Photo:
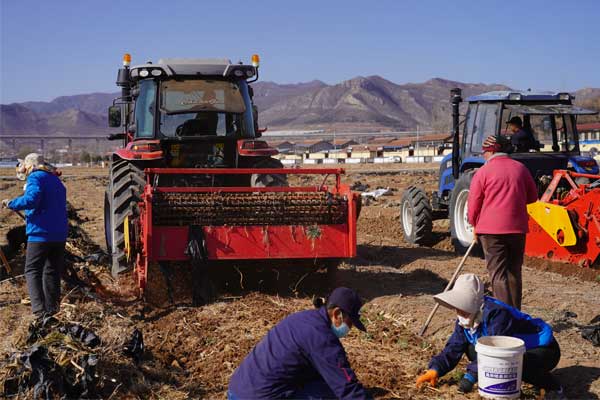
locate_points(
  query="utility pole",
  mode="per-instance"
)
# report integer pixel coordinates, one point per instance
(417, 146)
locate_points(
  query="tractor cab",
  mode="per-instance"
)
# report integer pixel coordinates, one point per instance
(188, 113)
(542, 128)
(546, 122)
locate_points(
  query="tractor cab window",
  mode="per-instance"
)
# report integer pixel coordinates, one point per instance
(566, 130)
(552, 127)
(485, 124)
(201, 108)
(144, 109)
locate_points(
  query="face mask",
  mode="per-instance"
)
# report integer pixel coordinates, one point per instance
(464, 322)
(21, 172)
(340, 331)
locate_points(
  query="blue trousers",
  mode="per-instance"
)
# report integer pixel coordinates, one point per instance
(314, 390)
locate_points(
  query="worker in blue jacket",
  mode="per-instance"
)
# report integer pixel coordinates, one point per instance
(302, 356)
(45, 205)
(478, 316)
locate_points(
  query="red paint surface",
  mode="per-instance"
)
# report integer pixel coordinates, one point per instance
(254, 242)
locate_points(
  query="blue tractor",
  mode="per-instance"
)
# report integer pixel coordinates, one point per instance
(549, 120)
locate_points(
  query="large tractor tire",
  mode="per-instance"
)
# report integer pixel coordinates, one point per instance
(125, 185)
(268, 180)
(416, 216)
(461, 231)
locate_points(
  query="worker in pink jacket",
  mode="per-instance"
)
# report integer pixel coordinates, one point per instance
(497, 209)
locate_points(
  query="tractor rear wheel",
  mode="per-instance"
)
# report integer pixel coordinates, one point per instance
(416, 216)
(461, 230)
(125, 185)
(268, 180)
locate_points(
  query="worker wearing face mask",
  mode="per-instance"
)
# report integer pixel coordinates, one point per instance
(302, 356)
(478, 316)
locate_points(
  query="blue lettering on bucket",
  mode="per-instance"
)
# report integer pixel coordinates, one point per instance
(500, 376)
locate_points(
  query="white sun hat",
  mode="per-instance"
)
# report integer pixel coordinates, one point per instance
(466, 295)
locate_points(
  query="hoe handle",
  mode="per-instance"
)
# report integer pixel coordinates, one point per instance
(5, 262)
(437, 305)
(19, 214)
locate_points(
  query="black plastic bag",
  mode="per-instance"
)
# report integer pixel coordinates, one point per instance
(591, 333)
(134, 347)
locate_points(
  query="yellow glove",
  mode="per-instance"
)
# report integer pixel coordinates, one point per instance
(431, 377)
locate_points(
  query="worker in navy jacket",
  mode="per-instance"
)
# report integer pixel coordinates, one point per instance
(302, 356)
(45, 205)
(478, 316)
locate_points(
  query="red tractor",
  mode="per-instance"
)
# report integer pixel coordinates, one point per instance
(194, 184)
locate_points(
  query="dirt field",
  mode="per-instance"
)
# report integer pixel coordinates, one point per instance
(192, 351)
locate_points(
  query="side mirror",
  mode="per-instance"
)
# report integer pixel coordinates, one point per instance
(116, 136)
(257, 132)
(114, 116)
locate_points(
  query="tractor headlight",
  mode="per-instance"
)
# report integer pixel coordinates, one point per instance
(564, 96)
(156, 72)
(514, 96)
(144, 73)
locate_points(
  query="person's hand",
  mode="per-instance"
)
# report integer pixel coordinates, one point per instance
(475, 237)
(431, 377)
(5, 203)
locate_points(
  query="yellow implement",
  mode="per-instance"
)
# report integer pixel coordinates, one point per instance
(555, 221)
(126, 234)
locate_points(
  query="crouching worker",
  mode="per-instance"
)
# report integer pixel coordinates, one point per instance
(45, 205)
(478, 316)
(302, 356)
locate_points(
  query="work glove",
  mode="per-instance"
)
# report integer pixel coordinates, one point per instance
(465, 385)
(431, 377)
(5, 203)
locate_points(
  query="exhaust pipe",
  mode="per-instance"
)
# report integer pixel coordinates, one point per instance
(456, 99)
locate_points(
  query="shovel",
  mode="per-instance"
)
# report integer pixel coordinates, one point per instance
(437, 305)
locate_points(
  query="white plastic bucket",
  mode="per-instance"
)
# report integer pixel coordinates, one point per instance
(499, 366)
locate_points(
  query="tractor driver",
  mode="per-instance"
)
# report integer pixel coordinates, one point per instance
(521, 139)
(302, 356)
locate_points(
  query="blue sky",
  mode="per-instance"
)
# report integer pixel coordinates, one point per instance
(54, 48)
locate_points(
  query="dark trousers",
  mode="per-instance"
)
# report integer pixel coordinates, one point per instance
(537, 364)
(43, 266)
(314, 390)
(504, 259)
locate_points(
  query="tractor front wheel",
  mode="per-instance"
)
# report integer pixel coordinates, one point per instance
(416, 216)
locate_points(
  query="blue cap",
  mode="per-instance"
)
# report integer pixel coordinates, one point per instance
(349, 302)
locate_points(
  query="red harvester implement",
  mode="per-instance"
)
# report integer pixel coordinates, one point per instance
(564, 225)
(243, 223)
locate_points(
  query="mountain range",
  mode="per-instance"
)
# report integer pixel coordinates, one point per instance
(363, 103)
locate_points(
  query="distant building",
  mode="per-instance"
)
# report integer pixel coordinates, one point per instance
(589, 138)
(588, 131)
(313, 146)
(8, 162)
(285, 147)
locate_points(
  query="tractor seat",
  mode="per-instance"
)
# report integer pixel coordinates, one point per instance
(197, 127)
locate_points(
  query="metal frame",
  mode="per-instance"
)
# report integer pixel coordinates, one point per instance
(230, 243)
